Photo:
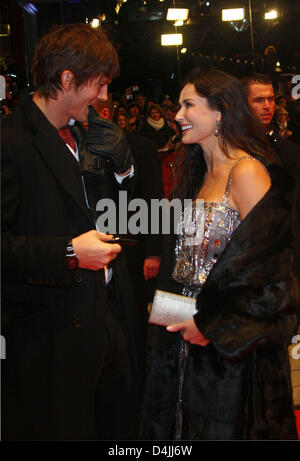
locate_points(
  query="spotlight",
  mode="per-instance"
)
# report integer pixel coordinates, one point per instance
(271, 14)
(177, 14)
(29, 7)
(235, 14)
(95, 23)
(171, 39)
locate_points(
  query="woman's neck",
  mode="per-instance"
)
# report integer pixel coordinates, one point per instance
(215, 156)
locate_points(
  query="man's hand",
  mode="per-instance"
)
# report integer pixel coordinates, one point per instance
(106, 139)
(151, 267)
(189, 332)
(92, 251)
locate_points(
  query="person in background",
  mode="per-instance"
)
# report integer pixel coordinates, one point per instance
(141, 100)
(282, 123)
(122, 121)
(223, 373)
(134, 112)
(170, 113)
(69, 372)
(143, 259)
(156, 127)
(259, 94)
(281, 101)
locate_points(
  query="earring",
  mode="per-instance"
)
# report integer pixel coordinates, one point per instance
(217, 130)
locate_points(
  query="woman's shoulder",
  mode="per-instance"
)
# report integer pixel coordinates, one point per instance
(249, 168)
(250, 182)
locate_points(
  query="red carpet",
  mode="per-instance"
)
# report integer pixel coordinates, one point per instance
(297, 413)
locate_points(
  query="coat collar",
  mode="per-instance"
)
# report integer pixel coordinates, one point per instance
(55, 153)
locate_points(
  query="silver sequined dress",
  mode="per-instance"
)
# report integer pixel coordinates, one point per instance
(204, 232)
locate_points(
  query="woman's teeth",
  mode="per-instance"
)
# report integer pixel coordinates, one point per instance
(186, 127)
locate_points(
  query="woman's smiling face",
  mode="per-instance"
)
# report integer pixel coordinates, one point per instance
(196, 118)
(155, 114)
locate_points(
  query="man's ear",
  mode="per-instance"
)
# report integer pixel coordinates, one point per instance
(67, 80)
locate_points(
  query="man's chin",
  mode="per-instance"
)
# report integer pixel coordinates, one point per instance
(266, 121)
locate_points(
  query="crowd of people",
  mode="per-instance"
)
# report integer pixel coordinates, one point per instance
(139, 114)
(82, 361)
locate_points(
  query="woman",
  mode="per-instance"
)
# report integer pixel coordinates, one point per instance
(122, 121)
(156, 127)
(224, 373)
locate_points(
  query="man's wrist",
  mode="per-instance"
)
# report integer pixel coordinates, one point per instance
(71, 259)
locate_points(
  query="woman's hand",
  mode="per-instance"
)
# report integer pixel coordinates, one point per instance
(189, 332)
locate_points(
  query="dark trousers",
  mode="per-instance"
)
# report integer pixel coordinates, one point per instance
(53, 391)
(116, 400)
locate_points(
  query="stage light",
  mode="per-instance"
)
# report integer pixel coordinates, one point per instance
(178, 23)
(183, 50)
(171, 39)
(177, 14)
(235, 14)
(95, 23)
(271, 14)
(29, 7)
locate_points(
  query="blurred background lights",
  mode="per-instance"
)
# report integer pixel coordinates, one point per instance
(177, 14)
(271, 14)
(95, 23)
(235, 14)
(171, 39)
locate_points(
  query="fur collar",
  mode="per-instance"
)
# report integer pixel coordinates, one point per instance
(250, 296)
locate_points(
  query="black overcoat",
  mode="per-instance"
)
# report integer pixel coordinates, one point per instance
(53, 319)
(238, 386)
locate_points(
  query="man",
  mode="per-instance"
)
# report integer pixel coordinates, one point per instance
(261, 99)
(68, 369)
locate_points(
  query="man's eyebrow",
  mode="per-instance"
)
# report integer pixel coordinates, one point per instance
(263, 97)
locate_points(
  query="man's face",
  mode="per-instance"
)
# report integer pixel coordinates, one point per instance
(262, 102)
(170, 115)
(85, 95)
(134, 111)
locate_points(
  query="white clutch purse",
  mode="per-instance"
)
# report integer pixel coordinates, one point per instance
(168, 308)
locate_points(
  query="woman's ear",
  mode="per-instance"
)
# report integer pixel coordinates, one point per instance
(218, 116)
(67, 80)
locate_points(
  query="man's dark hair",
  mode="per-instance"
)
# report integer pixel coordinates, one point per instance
(259, 79)
(86, 52)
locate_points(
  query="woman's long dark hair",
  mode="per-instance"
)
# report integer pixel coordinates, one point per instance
(239, 128)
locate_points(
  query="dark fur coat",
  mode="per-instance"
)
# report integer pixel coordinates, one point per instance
(238, 386)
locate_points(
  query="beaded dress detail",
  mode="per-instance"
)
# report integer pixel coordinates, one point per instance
(203, 233)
